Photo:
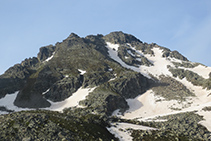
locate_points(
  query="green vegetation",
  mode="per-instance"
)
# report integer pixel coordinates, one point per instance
(48, 125)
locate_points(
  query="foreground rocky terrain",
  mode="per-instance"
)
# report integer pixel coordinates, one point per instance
(112, 87)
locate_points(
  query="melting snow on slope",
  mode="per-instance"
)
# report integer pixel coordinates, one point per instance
(145, 105)
(159, 67)
(202, 99)
(120, 130)
(201, 94)
(82, 72)
(114, 55)
(72, 101)
(7, 102)
(201, 70)
(46, 91)
(159, 63)
(49, 58)
(207, 116)
(114, 47)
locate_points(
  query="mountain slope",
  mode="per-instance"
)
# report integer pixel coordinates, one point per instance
(114, 75)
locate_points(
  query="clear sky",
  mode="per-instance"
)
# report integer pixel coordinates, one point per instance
(27, 25)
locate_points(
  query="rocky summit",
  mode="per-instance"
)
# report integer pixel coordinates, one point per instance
(112, 87)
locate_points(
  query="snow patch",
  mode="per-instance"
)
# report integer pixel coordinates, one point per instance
(8, 101)
(201, 100)
(82, 72)
(120, 130)
(46, 91)
(110, 69)
(138, 59)
(114, 55)
(72, 101)
(66, 76)
(49, 58)
(131, 53)
(201, 94)
(207, 122)
(114, 47)
(159, 64)
(200, 70)
(146, 105)
(113, 78)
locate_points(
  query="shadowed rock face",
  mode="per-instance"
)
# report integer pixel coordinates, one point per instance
(15, 77)
(46, 52)
(64, 88)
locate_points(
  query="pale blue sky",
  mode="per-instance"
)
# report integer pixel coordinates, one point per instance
(27, 25)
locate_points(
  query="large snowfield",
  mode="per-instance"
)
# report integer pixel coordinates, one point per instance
(145, 107)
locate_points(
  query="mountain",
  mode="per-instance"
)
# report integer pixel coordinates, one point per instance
(112, 87)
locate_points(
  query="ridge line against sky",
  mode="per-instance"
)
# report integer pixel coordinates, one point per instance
(179, 25)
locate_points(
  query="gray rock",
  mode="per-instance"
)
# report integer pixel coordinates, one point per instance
(46, 52)
(64, 88)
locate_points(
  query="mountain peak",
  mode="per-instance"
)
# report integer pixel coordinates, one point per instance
(118, 37)
(113, 78)
(73, 35)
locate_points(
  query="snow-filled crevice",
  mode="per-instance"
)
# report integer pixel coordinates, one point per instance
(49, 58)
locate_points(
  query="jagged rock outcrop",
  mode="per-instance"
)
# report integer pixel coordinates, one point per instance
(120, 38)
(130, 84)
(103, 100)
(173, 54)
(64, 88)
(46, 52)
(15, 77)
(30, 98)
(131, 57)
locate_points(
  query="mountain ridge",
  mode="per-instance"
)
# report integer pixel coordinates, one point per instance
(115, 75)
